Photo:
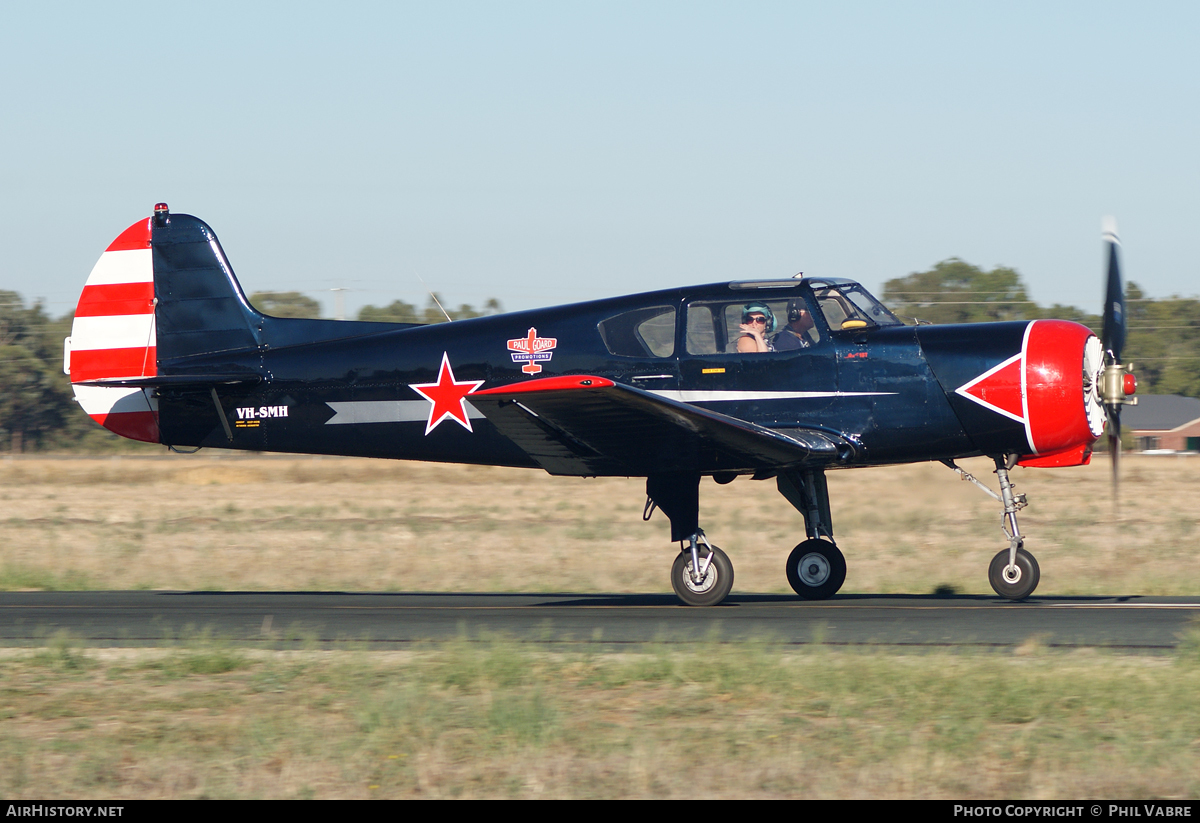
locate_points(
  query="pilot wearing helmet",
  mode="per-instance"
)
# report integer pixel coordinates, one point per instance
(757, 322)
(797, 333)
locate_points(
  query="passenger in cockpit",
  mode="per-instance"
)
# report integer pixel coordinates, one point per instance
(757, 322)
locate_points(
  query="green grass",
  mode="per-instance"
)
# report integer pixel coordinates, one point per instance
(17, 576)
(506, 719)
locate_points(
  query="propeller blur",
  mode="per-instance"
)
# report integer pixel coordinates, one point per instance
(1118, 381)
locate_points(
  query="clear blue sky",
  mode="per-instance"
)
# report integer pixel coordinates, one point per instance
(543, 153)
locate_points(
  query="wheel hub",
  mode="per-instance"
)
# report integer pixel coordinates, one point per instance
(1012, 573)
(813, 569)
(705, 583)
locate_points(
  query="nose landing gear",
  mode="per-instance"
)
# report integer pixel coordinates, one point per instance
(1013, 572)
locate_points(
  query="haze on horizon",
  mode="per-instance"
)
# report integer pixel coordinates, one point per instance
(544, 153)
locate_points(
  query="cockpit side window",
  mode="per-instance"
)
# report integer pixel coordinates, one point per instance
(645, 332)
(713, 327)
(703, 330)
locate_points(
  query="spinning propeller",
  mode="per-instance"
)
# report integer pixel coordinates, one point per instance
(1116, 381)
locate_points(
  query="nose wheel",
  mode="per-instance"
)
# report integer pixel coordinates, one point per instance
(1017, 580)
(816, 569)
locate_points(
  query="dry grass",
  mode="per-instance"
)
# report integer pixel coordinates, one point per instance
(233, 522)
(509, 720)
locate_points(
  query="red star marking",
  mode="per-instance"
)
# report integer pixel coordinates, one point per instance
(448, 397)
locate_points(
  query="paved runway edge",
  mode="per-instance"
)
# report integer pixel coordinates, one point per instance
(397, 620)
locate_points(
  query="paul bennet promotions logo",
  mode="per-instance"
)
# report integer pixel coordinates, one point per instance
(532, 349)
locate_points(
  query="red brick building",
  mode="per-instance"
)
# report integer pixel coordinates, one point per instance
(1163, 422)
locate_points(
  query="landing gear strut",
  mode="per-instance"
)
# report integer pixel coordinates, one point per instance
(702, 574)
(816, 568)
(1013, 572)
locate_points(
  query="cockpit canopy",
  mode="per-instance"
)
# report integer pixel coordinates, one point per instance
(712, 316)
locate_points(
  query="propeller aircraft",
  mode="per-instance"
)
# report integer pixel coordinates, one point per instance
(778, 380)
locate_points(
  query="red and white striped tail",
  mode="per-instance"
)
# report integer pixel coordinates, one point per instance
(114, 336)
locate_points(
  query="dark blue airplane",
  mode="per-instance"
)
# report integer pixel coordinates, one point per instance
(768, 379)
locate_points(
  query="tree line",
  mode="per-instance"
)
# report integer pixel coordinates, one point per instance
(1162, 343)
(295, 304)
(38, 411)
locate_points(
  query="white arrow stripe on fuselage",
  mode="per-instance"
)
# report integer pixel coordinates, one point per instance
(417, 411)
(386, 411)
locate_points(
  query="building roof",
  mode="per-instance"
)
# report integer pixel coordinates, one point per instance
(1160, 412)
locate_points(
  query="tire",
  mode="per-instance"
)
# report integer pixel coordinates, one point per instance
(1027, 575)
(816, 569)
(717, 582)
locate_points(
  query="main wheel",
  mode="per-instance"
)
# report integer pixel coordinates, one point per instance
(816, 569)
(1018, 582)
(712, 588)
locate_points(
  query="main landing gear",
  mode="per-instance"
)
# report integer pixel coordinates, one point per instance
(702, 574)
(816, 568)
(1013, 572)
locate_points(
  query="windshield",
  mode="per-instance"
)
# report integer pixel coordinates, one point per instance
(850, 306)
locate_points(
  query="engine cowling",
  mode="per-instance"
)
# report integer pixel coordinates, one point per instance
(1052, 388)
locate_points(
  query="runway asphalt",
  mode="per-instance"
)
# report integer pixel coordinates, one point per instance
(389, 621)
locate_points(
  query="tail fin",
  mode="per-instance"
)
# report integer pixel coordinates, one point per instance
(201, 308)
(114, 335)
(161, 293)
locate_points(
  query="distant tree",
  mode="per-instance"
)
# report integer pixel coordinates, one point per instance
(401, 312)
(35, 396)
(398, 311)
(1060, 312)
(433, 310)
(957, 292)
(1163, 343)
(285, 304)
(34, 400)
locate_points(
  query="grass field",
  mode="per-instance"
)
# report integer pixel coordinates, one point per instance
(503, 719)
(510, 720)
(234, 523)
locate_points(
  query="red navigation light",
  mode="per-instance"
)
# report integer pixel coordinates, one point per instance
(1129, 384)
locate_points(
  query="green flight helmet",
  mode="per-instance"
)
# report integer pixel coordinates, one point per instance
(761, 308)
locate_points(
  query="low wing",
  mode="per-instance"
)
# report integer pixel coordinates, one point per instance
(582, 425)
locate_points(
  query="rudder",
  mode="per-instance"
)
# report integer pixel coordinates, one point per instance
(161, 294)
(113, 336)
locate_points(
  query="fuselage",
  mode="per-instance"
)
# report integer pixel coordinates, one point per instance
(322, 392)
(166, 348)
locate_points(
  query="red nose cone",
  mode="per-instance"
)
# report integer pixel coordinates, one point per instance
(1130, 384)
(1057, 415)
